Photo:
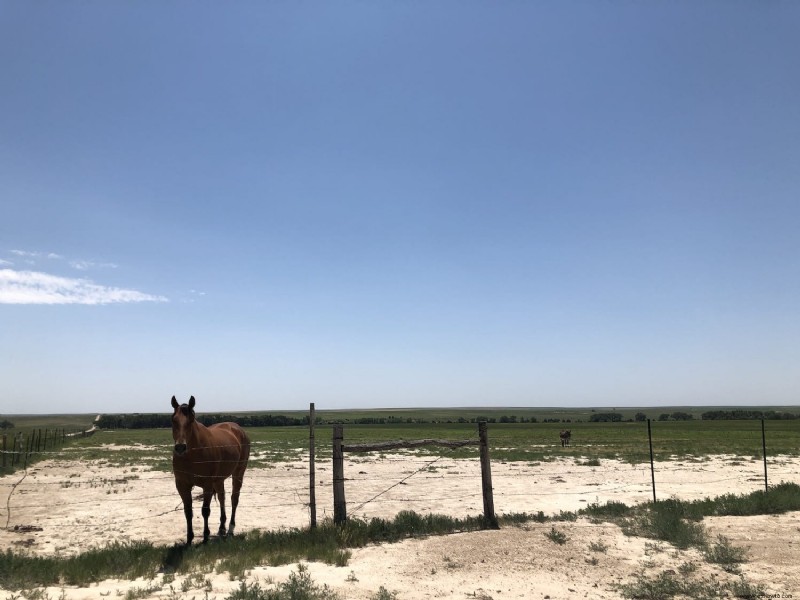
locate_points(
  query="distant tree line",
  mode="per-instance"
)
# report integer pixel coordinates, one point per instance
(611, 417)
(153, 421)
(727, 415)
(161, 420)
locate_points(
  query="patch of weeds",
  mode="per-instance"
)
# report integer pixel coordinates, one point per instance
(384, 594)
(591, 462)
(667, 585)
(667, 521)
(195, 581)
(142, 592)
(742, 588)
(556, 536)
(663, 587)
(609, 511)
(784, 497)
(650, 548)
(519, 518)
(598, 547)
(449, 563)
(33, 594)
(687, 568)
(728, 556)
(299, 586)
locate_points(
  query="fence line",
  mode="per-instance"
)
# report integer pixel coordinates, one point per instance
(339, 448)
(37, 443)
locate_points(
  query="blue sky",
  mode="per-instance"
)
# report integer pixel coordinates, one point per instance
(388, 204)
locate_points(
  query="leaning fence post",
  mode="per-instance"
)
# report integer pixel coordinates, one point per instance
(312, 492)
(764, 447)
(486, 476)
(652, 468)
(339, 503)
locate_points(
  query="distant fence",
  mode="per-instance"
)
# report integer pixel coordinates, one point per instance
(18, 448)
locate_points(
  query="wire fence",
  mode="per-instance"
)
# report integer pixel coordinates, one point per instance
(79, 504)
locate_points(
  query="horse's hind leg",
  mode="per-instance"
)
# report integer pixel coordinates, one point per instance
(219, 488)
(207, 492)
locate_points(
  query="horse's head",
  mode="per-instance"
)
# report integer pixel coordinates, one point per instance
(182, 421)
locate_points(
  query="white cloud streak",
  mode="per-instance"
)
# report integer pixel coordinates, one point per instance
(85, 265)
(31, 287)
(26, 254)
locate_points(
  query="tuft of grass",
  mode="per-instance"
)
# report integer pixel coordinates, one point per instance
(299, 586)
(598, 547)
(726, 555)
(523, 517)
(661, 587)
(667, 585)
(781, 498)
(556, 536)
(667, 521)
(610, 510)
(384, 594)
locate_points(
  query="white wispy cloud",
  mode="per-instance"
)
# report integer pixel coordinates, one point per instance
(85, 265)
(32, 287)
(5, 263)
(27, 254)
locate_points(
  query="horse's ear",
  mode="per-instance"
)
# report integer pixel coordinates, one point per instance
(174, 402)
(191, 402)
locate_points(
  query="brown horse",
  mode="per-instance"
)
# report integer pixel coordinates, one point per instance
(565, 435)
(205, 457)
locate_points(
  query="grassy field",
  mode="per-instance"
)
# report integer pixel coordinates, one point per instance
(510, 442)
(539, 441)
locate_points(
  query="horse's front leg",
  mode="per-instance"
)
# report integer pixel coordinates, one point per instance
(186, 497)
(207, 492)
(219, 488)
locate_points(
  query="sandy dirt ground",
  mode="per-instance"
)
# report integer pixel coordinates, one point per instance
(62, 507)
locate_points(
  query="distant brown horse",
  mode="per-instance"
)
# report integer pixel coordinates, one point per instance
(565, 435)
(205, 457)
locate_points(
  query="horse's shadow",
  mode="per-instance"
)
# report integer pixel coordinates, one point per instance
(175, 554)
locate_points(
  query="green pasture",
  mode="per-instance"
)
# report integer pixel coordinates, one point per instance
(152, 448)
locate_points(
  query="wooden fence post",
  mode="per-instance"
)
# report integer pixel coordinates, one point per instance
(764, 447)
(652, 468)
(486, 476)
(27, 450)
(312, 490)
(339, 503)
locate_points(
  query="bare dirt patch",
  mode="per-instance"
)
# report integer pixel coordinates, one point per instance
(62, 507)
